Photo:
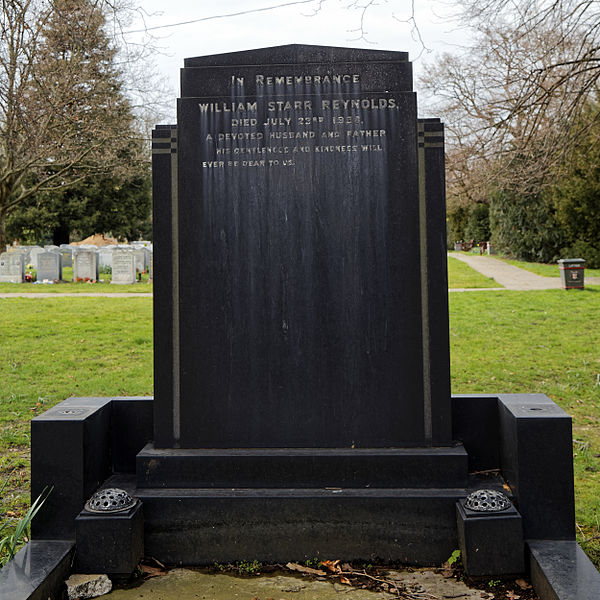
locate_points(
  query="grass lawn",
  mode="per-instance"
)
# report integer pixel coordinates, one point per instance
(542, 341)
(460, 275)
(53, 348)
(546, 270)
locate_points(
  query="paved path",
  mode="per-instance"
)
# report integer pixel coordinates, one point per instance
(75, 295)
(513, 278)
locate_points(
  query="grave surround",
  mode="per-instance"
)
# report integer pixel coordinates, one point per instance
(302, 403)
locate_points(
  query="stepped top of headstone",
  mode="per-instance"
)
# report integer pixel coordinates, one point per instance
(296, 53)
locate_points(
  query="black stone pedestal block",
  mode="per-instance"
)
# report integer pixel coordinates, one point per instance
(302, 467)
(109, 543)
(203, 526)
(490, 543)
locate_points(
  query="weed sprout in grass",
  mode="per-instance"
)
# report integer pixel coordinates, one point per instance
(20, 534)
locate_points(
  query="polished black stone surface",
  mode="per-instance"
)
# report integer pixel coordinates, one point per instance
(70, 454)
(302, 223)
(476, 424)
(109, 543)
(37, 572)
(164, 190)
(490, 543)
(131, 429)
(199, 527)
(560, 570)
(296, 54)
(302, 468)
(536, 458)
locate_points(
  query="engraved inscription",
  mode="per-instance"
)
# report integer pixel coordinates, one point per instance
(273, 131)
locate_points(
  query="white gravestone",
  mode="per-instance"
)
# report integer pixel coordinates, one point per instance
(33, 254)
(49, 266)
(85, 265)
(12, 267)
(140, 259)
(66, 257)
(123, 266)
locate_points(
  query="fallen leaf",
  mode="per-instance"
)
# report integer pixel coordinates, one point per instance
(296, 567)
(344, 580)
(512, 596)
(331, 565)
(152, 571)
(523, 584)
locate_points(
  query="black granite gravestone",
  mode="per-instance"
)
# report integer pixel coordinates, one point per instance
(302, 404)
(300, 266)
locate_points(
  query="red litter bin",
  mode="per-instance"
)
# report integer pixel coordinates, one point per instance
(571, 273)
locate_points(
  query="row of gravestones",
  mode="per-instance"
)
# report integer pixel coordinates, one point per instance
(125, 261)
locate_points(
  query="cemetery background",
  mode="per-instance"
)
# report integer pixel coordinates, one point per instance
(583, 443)
(500, 342)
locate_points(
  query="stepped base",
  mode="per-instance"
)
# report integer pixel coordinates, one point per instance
(200, 527)
(434, 467)
(278, 504)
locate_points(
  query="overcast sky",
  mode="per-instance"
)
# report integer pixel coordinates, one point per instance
(333, 25)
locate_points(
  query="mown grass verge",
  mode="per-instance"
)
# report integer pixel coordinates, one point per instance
(461, 275)
(546, 270)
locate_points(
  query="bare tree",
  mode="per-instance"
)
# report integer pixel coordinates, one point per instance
(64, 113)
(518, 99)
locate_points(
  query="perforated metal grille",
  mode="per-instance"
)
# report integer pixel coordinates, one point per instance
(110, 500)
(487, 501)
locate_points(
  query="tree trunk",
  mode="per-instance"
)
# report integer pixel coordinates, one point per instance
(61, 235)
(2, 231)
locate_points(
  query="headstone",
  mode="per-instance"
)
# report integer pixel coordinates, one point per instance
(139, 255)
(24, 250)
(49, 266)
(33, 254)
(12, 267)
(297, 218)
(66, 255)
(85, 265)
(105, 256)
(123, 266)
